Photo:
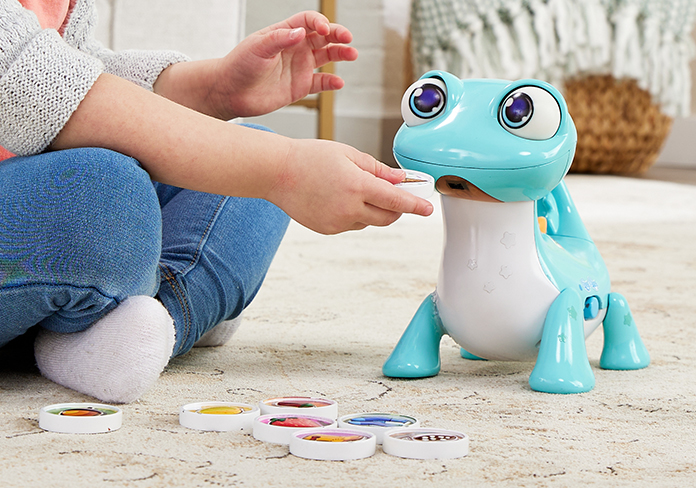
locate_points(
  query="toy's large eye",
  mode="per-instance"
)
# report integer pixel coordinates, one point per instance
(423, 101)
(530, 112)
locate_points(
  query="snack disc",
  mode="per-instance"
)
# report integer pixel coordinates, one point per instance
(80, 418)
(426, 443)
(218, 416)
(332, 444)
(377, 423)
(305, 405)
(277, 428)
(417, 183)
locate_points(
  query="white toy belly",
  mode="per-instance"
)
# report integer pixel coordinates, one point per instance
(492, 293)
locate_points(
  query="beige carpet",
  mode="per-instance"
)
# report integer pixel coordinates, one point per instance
(330, 313)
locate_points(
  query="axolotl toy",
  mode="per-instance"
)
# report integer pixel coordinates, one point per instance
(520, 277)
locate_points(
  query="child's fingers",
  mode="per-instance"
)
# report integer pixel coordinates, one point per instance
(334, 53)
(379, 217)
(380, 170)
(276, 41)
(310, 20)
(325, 81)
(386, 196)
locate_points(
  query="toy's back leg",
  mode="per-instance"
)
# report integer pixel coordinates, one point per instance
(623, 347)
(417, 355)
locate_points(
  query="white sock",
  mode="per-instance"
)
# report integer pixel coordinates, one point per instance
(118, 358)
(220, 334)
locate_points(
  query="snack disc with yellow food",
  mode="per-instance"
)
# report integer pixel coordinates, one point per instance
(218, 416)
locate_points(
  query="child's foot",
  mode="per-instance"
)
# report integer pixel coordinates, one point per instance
(118, 358)
(220, 334)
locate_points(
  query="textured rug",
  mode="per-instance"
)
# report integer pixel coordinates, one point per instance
(329, 315)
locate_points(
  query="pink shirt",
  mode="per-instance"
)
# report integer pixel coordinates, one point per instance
(52, 14)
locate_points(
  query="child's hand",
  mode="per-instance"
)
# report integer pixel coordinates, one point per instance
(331, 187)
(276, 66)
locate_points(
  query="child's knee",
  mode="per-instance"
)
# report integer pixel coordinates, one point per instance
(89, 217)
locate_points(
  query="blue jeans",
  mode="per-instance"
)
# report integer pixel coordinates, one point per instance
(83, 229)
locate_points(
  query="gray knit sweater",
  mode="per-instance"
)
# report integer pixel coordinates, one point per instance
(44, 77)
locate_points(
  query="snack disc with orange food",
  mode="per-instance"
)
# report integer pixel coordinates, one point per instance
(418, 183)
(332, 444)
(80, 418)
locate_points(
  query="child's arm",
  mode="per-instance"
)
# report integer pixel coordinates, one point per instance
(326, 186)
(266, 71)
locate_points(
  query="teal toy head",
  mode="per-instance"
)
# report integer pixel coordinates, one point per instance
(486, 139)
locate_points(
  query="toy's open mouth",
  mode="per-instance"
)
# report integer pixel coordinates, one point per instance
(454, 186)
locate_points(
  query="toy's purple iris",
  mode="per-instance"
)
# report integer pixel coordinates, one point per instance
(517, 110)
(427, 101)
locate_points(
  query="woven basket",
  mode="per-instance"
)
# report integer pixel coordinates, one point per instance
(620, 129)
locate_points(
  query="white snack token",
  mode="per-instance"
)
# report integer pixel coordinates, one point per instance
(377, 423)
(80, 418)
(418, 183)
(332, 444)
(305, 405)
(218, 416)
(426, 443)
(277, 428)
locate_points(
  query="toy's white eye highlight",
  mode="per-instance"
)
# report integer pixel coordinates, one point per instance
(530, 112)
(423, 101)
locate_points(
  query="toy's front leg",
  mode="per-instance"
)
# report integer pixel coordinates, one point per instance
(562, 365)
(417, 355)
(623, 347)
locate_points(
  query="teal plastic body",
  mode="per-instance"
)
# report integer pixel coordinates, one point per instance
(501, 144)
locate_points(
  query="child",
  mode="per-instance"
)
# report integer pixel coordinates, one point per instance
(128, 184)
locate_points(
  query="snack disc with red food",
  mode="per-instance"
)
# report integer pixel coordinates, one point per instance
(332, 444)
(80, 418)
(304, 405)
(277, 428)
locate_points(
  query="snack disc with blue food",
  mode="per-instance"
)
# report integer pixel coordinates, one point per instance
(218, 416)
(418, 183)
(277, 428)
(332, 444)
(80, 418)
(377, 423)
(425, 443)
(322, 407)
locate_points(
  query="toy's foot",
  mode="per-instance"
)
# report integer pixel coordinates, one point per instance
(467, 355)
(417, 355)
(623, 347)
(562, 365)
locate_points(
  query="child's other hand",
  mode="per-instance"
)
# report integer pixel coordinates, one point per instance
(276, 66)
(331, 187)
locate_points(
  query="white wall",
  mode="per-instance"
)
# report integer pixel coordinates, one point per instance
(367, 109)
(200, 29)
